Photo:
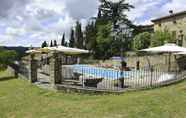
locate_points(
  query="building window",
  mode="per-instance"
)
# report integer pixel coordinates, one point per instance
(180, 42)
(181, 31)
(159, 24)
(174, 35)
(181, 37)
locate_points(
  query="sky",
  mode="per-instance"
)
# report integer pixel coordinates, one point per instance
(30, 22)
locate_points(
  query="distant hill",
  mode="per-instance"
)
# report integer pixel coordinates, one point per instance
(19, 50)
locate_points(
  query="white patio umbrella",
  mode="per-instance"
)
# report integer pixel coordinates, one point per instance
(32, 51)
(180, 53)
(37, 51)
(167, 48)
(67, 50)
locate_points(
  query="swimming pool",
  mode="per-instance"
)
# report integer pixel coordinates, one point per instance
(102, 72)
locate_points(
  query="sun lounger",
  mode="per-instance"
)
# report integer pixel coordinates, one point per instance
(90, 81)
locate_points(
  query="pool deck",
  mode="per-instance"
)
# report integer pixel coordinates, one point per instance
(80, 89)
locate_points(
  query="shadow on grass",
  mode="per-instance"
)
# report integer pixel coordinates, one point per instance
(7, 78)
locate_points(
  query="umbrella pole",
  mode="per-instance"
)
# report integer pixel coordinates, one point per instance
(169, 62)
(149, 64)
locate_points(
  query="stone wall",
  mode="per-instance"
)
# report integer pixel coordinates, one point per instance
(12, 71)
(144, 60)
(33, 69)
(55, 68)
(153, 59)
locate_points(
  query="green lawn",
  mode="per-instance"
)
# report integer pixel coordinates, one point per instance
(20, 99)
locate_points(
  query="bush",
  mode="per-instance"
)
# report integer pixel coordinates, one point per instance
(142, 41)
(161, 37)
(158, 38)
(7, 57)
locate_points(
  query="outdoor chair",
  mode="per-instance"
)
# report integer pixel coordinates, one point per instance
(92, 81)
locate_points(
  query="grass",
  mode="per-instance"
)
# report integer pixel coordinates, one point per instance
(20, 99)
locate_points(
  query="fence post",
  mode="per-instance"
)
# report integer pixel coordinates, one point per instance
(55, 68)
(122, 80)
(33, 69)
(151, 76)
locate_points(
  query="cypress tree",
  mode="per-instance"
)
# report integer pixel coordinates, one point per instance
(99, 14)
(55, 43)
(78, 36)
(72, 39)
(44, 44)
(51, 43)
(90, 36)
(63, 40)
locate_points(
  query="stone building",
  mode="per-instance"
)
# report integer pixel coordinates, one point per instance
(146, 28)
(175, 23)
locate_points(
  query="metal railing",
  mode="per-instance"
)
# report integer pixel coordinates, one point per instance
(112, 79)
(102, 78)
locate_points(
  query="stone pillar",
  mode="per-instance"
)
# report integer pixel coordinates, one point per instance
(55, 68)
(33, 69)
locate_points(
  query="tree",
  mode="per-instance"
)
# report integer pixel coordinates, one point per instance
(7, 57)
(78, 36)
(142, 41)
(99, 16)
(103, 42)
(90, 36)
(63, 43)
(161, 37)
(72, 39)
(55, 43)
(114, 11)
(44, 44)
(51, 43)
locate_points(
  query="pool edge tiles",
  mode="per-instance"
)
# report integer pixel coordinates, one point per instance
(105, 73)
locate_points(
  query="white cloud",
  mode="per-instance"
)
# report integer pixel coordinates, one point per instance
(143, 8)
(146, 10)
(175, 5)
(46, 20)
(30, 22)
(4, 39)
(15, 31)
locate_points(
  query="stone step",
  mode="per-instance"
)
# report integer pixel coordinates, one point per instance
(72, 82)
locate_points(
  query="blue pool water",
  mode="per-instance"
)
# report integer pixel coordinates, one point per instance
(101, 72)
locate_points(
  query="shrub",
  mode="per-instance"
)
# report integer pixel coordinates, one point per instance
(142, 41)
(161, 37)
(7, 57)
